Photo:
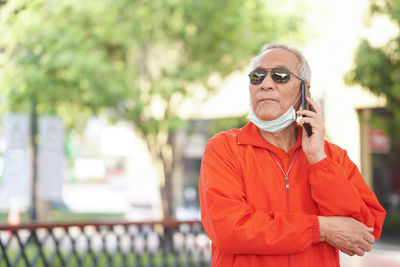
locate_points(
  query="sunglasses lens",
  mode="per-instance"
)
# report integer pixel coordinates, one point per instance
(280, 75)
(257, 76)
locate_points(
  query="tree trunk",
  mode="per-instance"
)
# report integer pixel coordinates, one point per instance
(169, 159)
(168, 201)
(162, 152)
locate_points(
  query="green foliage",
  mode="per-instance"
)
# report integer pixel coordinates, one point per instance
(54, 56)
(376, 68)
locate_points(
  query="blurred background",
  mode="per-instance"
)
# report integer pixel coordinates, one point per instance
(106, 106)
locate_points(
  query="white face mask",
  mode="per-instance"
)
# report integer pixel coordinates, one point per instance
(277, 125)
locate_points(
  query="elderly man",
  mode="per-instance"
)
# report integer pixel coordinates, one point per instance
(273, 195)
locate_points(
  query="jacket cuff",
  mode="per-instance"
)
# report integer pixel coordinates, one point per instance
(315, 230)
(320, 164)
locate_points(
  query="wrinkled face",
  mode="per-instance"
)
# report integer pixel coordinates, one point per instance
(269, 99)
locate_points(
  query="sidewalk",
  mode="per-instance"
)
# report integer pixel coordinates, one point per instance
(381, 255)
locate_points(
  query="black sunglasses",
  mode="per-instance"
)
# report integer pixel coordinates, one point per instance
(279, 75)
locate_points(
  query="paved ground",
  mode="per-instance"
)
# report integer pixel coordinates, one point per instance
(382, 255)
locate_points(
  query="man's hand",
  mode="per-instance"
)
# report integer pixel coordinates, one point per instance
(347, 234)
(313, 146)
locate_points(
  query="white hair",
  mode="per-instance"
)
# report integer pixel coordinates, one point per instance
(303, 68)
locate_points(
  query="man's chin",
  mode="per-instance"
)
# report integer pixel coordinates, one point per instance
(265, 113)
(267, 117)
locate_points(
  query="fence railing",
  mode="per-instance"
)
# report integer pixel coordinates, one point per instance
(150, 244)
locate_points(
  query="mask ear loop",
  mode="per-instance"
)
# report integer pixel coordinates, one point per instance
(297, 101)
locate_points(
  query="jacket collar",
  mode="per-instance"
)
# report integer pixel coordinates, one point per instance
(250, 135)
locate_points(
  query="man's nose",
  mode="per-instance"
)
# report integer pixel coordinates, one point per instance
(268, 83)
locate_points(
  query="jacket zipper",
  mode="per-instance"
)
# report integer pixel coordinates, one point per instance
(287, 186)
(288, 206)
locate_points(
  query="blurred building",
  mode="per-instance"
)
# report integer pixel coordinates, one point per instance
(111, 171)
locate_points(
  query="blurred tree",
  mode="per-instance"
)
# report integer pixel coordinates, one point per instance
(377, 68)
(136, 60)
(53, 57)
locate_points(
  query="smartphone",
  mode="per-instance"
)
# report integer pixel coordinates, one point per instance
(305, 92)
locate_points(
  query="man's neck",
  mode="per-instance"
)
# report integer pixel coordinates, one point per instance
(285, 139)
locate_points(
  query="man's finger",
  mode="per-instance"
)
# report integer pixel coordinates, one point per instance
(359, 252)
(311, 121)
(369, 238)
(314, 105)
(348, 252)
(307, 113)
(365, 246)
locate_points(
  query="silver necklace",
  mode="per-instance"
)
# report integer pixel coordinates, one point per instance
(286, 175)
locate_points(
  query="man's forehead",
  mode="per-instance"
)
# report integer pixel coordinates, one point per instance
(278, 56)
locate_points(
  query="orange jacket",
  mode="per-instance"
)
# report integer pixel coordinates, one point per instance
(250, 217)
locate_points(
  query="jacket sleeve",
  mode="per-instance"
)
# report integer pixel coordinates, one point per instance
(339, 190)
(234, 226)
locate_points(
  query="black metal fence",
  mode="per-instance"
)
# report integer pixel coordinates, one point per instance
(150, 244)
